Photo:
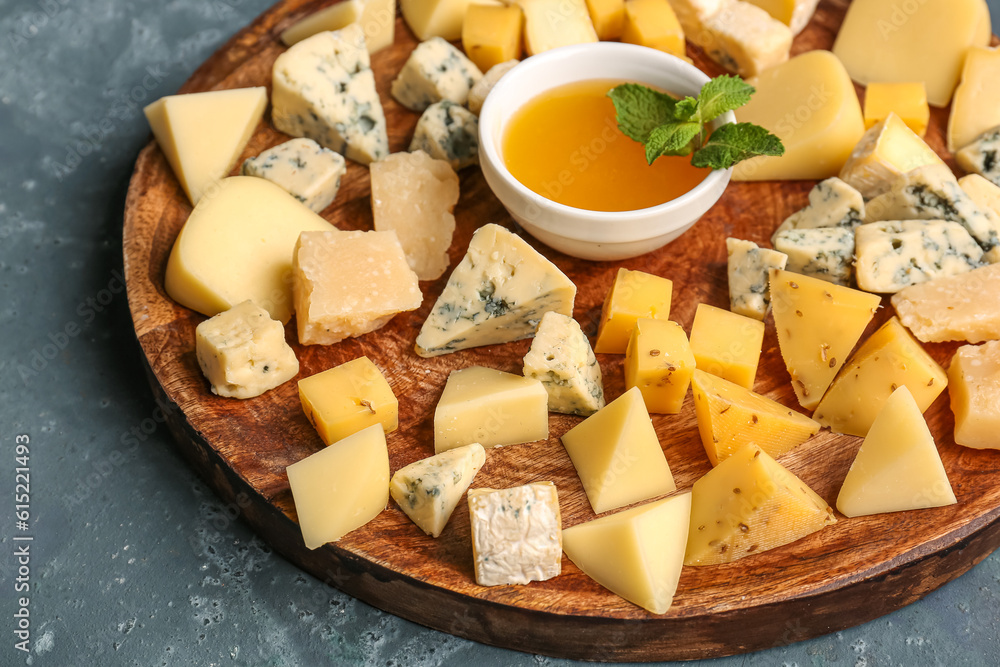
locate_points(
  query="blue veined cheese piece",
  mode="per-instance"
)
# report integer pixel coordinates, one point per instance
(449, 132)
(498, 293)
(832, 203)
(435, 71)
(477, 96)
(302, 168)
(982, 156)
(826, 253)
(894, 254)
(429, 490)
(563, 361)
(748, 266)
(324, 89)
(987, 197)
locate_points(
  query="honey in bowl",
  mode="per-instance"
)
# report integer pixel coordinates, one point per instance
(566, 146)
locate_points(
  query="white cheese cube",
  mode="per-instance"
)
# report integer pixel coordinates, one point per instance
(748, 266)
(982, 156)
(563, 361)
(428, 491)
(826, 253)
(477, 96)
(435, 71)
(448, 132)
(744, 39)
(832, 203)
(549, 24)
(302, 168)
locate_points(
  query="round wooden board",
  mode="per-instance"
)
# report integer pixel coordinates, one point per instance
(841, 576)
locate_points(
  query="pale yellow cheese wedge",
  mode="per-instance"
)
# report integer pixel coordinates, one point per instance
(898, 467)
(906, 99)
(238, 244)
(818, 324)
(608, 17)
(889, 359)
(434, 18)
(976, 106)
(633, 294)
(659, 362)
(952, 308)
(376, 17)
(726, 344)
(549, 24)
(810, 104)
(342, 487)
(203, 134)
(793, 13)
(429, 490)
(974, 385)
(348, 398)
(618, 456)
(885, 152)
(638, 553)
(747, 504)
(491, 34)
(653, 23)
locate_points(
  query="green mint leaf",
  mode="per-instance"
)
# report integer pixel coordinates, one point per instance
(671, 139)
(734, 143)
(640, 110)
(722, 94)
(686, 110)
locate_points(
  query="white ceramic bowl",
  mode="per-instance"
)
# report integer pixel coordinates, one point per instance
(596, 235)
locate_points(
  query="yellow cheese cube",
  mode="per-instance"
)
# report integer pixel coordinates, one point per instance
(886, 151)
(653, 23)
(491, 34)
(429, 490)
(889, 359)
(549, 24)
(974, 385)
(726, 344)
(731, 416)
(898, 467)
(348, 398)
(747, 504)
(793, 13)
(659, 362)
(618, 456)
(634, 294)
(976, 107)
(952, 308)
(908, 100)
(490, 407)
(434, 18)
(638, 553)
(377, 19)
(342, 487)
(608, 17)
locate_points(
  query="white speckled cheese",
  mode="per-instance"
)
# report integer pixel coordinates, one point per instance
(435, 71)
(825, 253)
(516, 534)
(562, 359)
(324, 89)
(748, 265)
(832, 203)
(982, 156)
(477, 96)
(448, 132)
(962, 307)
(744, 39)
(429, 490)
(303, 169)
(497, 294)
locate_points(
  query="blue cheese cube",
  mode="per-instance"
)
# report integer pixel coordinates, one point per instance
(435, 71)
(324, 89)
(832, 203)
(826, 253)
(448, 132)
(563, 361)
(302, 168)
(982, 156)
(748, 266)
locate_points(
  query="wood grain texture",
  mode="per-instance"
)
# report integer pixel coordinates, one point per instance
(841, 576)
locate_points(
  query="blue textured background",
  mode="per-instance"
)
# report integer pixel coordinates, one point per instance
(135, 562)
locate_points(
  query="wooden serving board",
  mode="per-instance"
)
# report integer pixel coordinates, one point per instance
(844, 575)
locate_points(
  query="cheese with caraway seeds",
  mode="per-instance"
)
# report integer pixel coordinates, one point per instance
(659, 362)
(726, 344)
(303, 169)
(832, 203)
(962, 307)
(982, 156)
(562, 360)
(347, 398)
(633, 294)
(429, 490)
(747, 268)
(974, 386)
(826, 253)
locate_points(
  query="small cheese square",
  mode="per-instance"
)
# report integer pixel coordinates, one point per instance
(434, 18)
(302, 168)
(491, 34)
(826, 253)
(562, 360)
(377, 19)
(342, 487)
(982, 156)
(549, 24)
(477, 96)
(726, 344)
(659, 362)
(516, 534)
(414, 195)
(693, 13)
(974, 385)
(747, 267)
(349, 283)
(348, 398)
(906, 100)
(885, 152)
(832, 203)
(449, 132)
(490, 407)
(634, 294)
(243, 352)
(975, 107)
(744, 39)
(653, 23)
(429, 490)
(435, 71)
(952, 308)
(608, 17)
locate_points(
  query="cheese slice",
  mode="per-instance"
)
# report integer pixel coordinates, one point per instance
(638, 553)
(976, 106)
(796, 14)
(549, 24)
(898, 467)
(952, 308)
(203, 134)
(429, 490)
(974, 385)
(376, 17)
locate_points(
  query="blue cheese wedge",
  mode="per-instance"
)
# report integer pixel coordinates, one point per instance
(982, 156)
(516, 534)
(303, 169)
(826, 253)
(498, 293)
(449, 132)
(744, 39)
(477, 96)
(428, 491)
(832, 203)
(562, 359)
(435, 71)
(895, 254)
(748, 264)
(987, 198)
(324, 89)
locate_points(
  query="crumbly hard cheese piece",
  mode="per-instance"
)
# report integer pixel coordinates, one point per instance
(825, 253)
(429, 490)
(516, 534)
(974, 385)
(907, 99)
(349, 283)
(243, 352)
(982, 156)
(324, 89)
(497, 294)
(345, 399)
(793, 13)
(448, 132)
(303, 169)
(634, 294)
(477, 96)
(414, 195)
(562, 360)
(976, 105)
(549, 24)
(962, 307)
(832, 203)
(659, 362)
(377, 19)
(744, 39)
(726, 344)
(748, 265)
(435, 71)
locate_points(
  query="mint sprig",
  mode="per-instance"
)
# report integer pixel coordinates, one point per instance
(671, 126)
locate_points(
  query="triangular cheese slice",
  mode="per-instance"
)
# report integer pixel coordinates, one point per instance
(202, 134)
(638, 553)
(497, 294)
(428, 491)
(898, 466)
(818, 324)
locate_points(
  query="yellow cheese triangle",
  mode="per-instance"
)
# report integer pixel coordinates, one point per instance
(202, 134)
(898, 466)
(638, 553)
